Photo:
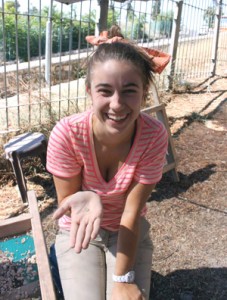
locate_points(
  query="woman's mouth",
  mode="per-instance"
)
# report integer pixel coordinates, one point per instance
(116, 118)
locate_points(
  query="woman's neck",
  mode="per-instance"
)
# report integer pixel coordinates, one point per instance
(115, 140)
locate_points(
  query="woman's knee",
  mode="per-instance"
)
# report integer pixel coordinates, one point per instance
(82, 274)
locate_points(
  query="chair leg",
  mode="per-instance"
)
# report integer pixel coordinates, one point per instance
(15, 161)
(44, 153)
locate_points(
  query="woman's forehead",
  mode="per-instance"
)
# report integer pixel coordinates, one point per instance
(114, 65)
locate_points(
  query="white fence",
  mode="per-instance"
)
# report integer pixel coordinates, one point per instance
(42, 49)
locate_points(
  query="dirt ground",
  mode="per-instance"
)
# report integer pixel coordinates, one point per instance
(188, 218)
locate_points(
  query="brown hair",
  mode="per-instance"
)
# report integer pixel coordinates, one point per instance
(115, 30)
(122, 51)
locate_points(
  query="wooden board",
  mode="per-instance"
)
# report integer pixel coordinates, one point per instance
(171, 157)
(45, 277)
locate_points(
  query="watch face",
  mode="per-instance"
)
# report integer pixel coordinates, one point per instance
(131, 276)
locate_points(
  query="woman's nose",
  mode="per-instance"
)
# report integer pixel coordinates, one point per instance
(116, 101)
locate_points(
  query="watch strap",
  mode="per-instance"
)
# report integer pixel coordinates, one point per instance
(128, 277)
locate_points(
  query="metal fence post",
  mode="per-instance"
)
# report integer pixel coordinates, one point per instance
(216, 37)
(174, 40)
(48, 50)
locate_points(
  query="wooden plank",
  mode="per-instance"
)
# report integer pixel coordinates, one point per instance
(155, 93)
(169, 167)
(171, 157)
(15, 225)
(45, 277)
(153, 109)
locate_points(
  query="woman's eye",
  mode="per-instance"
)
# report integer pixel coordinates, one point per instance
(104, 92)
(129, 91)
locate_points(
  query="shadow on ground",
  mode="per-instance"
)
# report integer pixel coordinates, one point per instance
(167, 188)
(197, 284)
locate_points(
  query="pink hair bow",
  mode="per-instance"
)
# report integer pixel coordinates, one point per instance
(160, 59)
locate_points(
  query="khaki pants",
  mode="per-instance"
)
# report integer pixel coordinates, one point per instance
(88, 275)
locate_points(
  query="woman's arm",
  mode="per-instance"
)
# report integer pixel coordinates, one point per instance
(84, 208)
(66, 187)
(128, 238)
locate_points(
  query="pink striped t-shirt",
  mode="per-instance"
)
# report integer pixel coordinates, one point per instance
(71, 151)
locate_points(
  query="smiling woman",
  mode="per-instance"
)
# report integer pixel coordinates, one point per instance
(105, 163)
(117, 94)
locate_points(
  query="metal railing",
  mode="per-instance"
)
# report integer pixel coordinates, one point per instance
(43, 47)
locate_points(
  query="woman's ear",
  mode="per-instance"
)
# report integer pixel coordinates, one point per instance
(88, 90)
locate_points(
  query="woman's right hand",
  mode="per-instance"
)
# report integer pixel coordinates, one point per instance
(86, 214)
(126, 291)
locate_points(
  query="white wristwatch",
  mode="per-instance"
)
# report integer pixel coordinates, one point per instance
(128, 278)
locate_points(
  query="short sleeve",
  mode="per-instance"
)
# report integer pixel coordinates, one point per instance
(62, 160)
(150, 168)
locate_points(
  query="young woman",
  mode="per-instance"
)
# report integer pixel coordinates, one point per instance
(105, 163)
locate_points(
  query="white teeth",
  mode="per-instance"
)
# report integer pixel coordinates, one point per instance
(116, 118)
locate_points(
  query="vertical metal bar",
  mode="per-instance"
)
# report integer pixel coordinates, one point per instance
(17, 67)
(216, 37)
(200, 60)
(132, 29)
(222, 43)
(60, 66)
(49, 44)
(4, 69)
(189, 49)
(149, 29)
(138, 27)
(70, 61)
(120, 16)
(174, 40)
(29, 59)
(193, 58)
(89, 29)
(48, 54)
(40, 69)
(207, 48)
(97, 18)
(146, 10)
(78, 57)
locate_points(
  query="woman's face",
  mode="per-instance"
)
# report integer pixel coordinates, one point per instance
(117, 93)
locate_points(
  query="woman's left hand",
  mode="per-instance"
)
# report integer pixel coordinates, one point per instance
(86, 213)
(126, 291)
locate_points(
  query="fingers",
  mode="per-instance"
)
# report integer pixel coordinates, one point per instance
(82, 233)
(80, 237)
(87, 236)
(83, 236)
(86, 212)
(96, 227)
(61, 211)
(73, 233)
